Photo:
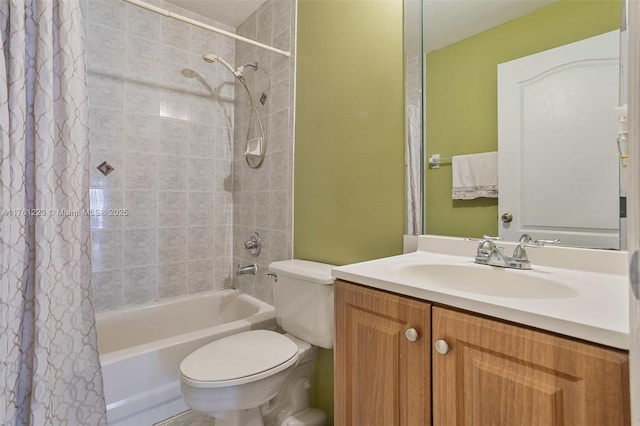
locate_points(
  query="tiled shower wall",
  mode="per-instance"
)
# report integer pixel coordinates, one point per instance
(163, 118)
(263, 197)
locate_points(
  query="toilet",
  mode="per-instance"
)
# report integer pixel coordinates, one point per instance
(261, 377)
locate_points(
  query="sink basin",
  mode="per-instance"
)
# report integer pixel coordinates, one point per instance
(487, 280)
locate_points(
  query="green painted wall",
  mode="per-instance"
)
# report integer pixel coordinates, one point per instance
(461, 99)
(349, 153)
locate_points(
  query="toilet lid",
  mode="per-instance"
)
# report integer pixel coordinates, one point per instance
(239, 358)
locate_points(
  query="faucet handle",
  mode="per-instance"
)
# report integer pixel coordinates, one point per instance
(520, 254)
(545, 242)
(538, 243)
(525, 238)
(484, 238)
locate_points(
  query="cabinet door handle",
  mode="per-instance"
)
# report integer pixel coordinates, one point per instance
(441, 347)
(412, 334)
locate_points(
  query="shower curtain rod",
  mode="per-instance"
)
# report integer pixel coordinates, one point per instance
(206, 27)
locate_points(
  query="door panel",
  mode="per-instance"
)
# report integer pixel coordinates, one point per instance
(381, 378)
(503, 375)
(558, 157)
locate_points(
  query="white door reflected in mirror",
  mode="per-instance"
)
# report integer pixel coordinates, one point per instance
(558, 158)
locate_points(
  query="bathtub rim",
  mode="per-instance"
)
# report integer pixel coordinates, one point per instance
(261, 319)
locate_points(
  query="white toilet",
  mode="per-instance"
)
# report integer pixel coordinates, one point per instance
(261, 377)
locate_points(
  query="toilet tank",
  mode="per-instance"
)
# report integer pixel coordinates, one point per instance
(303, 298)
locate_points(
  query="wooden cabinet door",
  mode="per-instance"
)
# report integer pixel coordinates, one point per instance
(381, 377)
(496, 374)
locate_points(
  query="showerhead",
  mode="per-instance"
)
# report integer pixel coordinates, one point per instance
(211, 58)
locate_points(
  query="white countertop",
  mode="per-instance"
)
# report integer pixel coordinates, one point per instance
(594, 305)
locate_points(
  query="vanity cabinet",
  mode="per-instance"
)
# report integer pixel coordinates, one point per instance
(382, 352)
(480, 372)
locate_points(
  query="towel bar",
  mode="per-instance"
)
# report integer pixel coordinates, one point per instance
(435, 161)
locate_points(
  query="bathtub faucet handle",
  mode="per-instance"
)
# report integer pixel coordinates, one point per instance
(253, 244)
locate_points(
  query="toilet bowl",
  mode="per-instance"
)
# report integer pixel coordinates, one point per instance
(255, 376)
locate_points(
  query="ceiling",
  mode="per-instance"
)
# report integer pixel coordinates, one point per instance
(445, 22)
(228, 12)
(448, 21)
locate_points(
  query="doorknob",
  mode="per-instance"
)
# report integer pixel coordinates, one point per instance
(507, 217)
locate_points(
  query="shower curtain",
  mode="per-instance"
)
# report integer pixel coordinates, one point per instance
(412, 163)
(49, 366)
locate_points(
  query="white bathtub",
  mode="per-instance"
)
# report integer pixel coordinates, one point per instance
(141, 349)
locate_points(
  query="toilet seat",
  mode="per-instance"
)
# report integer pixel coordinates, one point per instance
(237, 359)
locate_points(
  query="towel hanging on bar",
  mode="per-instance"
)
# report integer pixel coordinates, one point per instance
(475, 176)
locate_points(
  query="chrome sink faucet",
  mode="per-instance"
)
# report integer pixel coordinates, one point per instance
(489, 253)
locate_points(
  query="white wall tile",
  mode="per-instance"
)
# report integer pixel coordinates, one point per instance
(141, 97)
(202, 41)
(224, 143)
(223, 208)
(142, 23)
(172, 172)
(174, 137)
(177, 155)
(283, 10)
(140, 247)
(106, 249)
(107, 12)
(140, 284)
(264, 22)
(223, 241)
(202, 174)
(262, 197)
(202, 140)
(107, 289)
(280, 131)
(106, 128)
(201, 208)
(106, 91)
(201, 242)
(201, 276)
(172, 208)
(203, 110)
(175, 103)
(141, 132)
(279, 171)
(101, 200)
(223, 272)
(263, 209)
(140, 171)
(223, 174)
(141, 58)
(143, 209)
(172, 61)
(172, 244)
(105, 53)
(172, 280)
(176, 33)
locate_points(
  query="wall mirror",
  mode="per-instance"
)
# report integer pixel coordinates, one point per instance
(464, 42)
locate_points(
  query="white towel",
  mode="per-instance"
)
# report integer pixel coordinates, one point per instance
(475, 175)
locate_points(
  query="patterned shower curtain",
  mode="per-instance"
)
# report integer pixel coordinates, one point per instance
(49, 367)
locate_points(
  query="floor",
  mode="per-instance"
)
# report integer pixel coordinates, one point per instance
(188, 418)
